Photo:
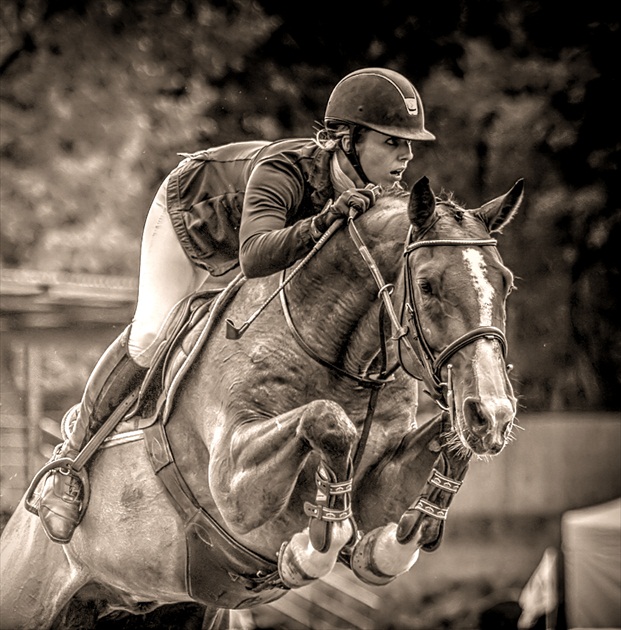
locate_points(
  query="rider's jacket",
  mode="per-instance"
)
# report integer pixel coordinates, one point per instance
(249, 203)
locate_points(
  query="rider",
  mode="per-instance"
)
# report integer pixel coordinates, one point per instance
(258, 205)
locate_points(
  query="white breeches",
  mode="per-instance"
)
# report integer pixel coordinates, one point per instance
(167, 275)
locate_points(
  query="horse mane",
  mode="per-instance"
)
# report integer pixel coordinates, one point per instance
(444, 198)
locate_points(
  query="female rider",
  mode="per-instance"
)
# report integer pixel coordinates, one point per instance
(258, 205)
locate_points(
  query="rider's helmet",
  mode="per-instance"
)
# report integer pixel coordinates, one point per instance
(380, 99)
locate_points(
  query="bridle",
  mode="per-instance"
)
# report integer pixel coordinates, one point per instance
(407, 329)
(414, 341)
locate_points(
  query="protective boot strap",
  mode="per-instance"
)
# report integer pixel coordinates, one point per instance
(332, 505)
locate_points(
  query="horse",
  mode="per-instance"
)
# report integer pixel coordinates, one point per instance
(291, 442)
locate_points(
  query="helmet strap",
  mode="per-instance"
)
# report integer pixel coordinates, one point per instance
(352, 155)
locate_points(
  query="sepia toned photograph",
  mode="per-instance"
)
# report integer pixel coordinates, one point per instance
(310, 315)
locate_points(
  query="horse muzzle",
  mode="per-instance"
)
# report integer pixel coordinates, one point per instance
(487, 424)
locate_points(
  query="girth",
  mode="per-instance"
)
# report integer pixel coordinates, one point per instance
(218, 570)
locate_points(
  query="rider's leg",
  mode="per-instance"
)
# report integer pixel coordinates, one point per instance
(166, 277)
(114, 377)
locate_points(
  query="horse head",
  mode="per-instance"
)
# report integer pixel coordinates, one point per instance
(454, 306)
(453, 285)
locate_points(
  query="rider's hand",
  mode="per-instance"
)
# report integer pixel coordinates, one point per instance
(357, 199)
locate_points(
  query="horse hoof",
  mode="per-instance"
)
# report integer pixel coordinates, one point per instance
(290, 568)
(363, 564)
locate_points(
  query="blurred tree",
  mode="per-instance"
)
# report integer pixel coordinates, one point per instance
(98, 96)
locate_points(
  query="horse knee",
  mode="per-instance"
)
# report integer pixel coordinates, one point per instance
(325, 425)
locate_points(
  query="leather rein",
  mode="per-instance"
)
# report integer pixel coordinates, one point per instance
(409, 335)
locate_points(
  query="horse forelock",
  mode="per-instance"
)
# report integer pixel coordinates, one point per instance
(456, 221)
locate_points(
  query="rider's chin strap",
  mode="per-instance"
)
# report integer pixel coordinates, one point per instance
(352, 155)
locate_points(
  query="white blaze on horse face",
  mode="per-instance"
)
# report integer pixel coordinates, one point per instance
(484, 354)
(492, 390)
(484, 289)
(485, 358)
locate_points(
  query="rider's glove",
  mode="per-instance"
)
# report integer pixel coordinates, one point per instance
(357, 199)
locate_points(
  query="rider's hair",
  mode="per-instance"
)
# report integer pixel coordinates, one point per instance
(329, 138)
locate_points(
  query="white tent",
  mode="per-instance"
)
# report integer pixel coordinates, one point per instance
(591, 544)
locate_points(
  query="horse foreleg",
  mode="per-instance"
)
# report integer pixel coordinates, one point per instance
(414, 489)
(266, 458)
(37, 578)
(313, 552)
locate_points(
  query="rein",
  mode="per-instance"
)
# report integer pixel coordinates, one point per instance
(364, 381)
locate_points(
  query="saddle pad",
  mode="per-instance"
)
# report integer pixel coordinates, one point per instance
(189, 327)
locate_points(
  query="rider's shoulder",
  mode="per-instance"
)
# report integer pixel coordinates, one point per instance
(255, 150)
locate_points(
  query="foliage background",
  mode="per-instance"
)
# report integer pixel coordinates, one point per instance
(98, 96)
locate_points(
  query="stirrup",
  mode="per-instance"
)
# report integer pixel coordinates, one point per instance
(31, 500)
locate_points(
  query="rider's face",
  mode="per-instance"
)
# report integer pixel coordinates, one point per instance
(383, 158)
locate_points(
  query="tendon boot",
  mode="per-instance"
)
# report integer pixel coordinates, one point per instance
(61, 506)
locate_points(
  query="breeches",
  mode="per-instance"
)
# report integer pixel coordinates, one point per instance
(166, 276)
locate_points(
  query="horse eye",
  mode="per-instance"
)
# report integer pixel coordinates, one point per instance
(425, 287)
(509, 285)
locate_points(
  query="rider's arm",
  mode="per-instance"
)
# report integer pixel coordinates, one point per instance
(274, 191)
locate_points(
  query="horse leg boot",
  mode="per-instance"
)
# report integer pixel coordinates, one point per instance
(61, 506)
(388, 551)
(312, 553)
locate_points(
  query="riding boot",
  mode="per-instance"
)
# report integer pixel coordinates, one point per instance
(61, 506)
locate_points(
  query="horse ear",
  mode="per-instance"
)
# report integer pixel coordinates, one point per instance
(422, 203)
(500, 211)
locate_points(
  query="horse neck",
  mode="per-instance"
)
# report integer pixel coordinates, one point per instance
(338, 279)
(364, 343)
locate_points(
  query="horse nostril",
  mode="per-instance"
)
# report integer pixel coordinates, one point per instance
(475, 416)
(506, 422)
